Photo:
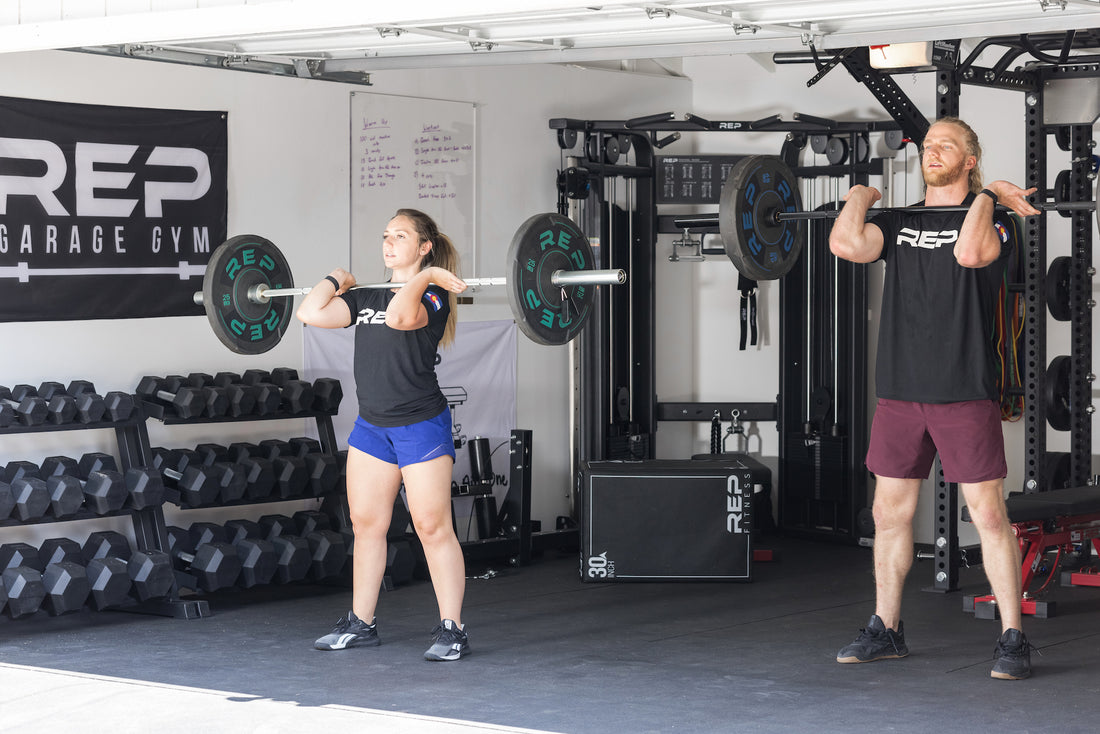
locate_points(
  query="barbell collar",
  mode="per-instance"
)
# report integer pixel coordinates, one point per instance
(588, 277)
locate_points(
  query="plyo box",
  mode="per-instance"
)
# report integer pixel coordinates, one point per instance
(666, 520)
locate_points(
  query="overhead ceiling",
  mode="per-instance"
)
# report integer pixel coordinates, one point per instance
(324, 38)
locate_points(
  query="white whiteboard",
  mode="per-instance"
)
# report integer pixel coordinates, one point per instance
(409, 152)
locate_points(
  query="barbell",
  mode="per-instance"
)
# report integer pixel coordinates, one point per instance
(760, 216)
(247, 286)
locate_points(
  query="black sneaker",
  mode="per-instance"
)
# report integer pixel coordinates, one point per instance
(448, 642)
(350, 631)
(875, 642)
(1013, 654)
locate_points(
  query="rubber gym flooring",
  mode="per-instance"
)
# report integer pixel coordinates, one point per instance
(553, 654)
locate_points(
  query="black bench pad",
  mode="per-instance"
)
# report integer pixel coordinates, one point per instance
(1068, 502)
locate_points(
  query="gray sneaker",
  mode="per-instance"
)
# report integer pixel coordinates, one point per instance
(1013, 655)
(350, 631)
(875, 642)
(448, 642)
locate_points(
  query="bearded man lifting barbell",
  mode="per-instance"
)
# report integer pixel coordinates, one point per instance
(935, 380)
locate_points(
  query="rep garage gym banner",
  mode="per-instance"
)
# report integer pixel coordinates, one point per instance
(107, 212)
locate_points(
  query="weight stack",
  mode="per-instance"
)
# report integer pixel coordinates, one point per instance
(665, 520)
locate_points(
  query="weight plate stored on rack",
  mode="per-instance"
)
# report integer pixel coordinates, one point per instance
(894, 139)
(549, 314)
(836, 151)
(235, 267)
(1059, 415)
(1057, 471)
(1057, 288)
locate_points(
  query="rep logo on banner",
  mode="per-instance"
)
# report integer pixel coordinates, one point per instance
(99, 168)
(107, 212)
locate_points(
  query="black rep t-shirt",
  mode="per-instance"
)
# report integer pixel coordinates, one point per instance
(936, 333)
(395, 370)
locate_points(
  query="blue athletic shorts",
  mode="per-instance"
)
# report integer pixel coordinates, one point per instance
(404, 445)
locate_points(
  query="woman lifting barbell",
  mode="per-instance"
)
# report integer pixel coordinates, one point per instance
(403, 431)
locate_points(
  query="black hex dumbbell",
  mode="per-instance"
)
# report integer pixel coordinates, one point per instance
(282, 375)
(144, 487)
(242, 397)
(297, 396)
(147, 572)
(258, 470)
(234, 483)
(20, 554)
(60, 406)
(91, 407)
(30, 496)
(23, 405)
(180, 470)
(15, 469)
(7, 500)
(257, 556)
(67, 587)
(109, 579)
(200, 485)
(21, 577)
(23, 591)
(325, 549)
(120, 406)
(255, 376)
(150, 573)
(328, 548)
(64, 577)
(259, 559)
(103, 485)
(55, 550)
(323, 469)
(209, 566)
(327, 394)
(187, 401)
(239, 401)
(291, 471)
(328, 553)
(294, 556)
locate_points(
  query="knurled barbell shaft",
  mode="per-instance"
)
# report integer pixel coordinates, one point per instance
(711, 220)
(561, 278)
(1055, 206)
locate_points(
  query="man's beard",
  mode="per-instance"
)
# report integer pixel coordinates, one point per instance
(945, 176)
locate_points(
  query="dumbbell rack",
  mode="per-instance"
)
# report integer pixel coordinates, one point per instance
(142, 447)
(148, 523)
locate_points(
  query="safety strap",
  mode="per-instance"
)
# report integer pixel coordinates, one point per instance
(748, 307)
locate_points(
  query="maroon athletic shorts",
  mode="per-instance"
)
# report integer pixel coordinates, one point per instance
(906, 436)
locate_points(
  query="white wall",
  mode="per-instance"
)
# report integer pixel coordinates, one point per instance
(288, 181)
